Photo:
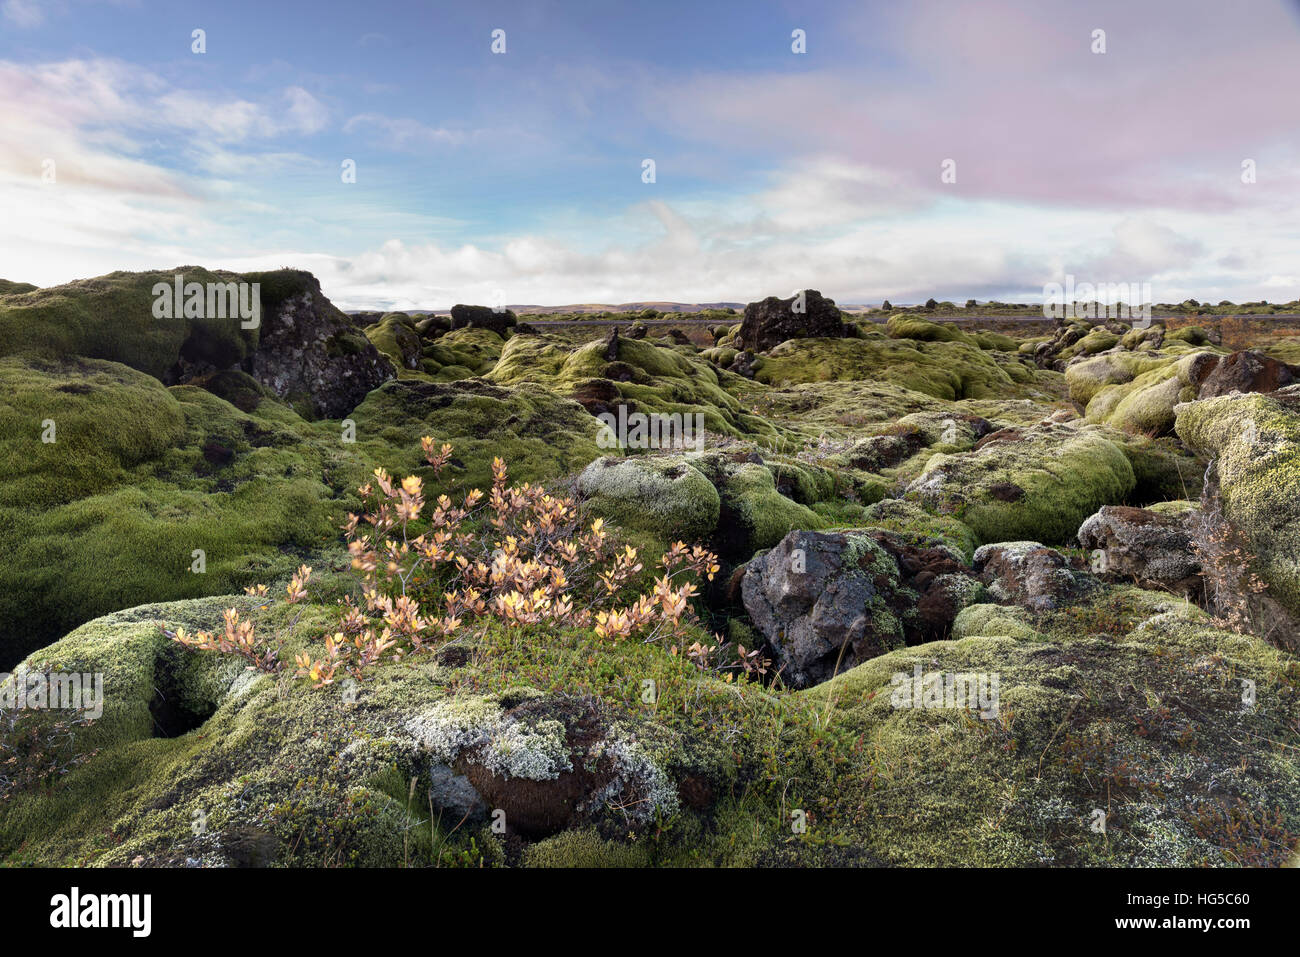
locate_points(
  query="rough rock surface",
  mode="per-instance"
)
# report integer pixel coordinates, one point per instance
(818, 598)
(452, 794)
(1031, 575)
(1139, 545)
(483, 317)
(309, 350)
(772, 321)
(827, 601)
(1246, 372)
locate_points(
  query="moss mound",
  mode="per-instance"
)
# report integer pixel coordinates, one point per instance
(643, 376)
(111, 317)
(1036, 484)
(1254, 443)
(539, 435)
(1180, 768)
(106, 517)
(100, 419)
(941, 369)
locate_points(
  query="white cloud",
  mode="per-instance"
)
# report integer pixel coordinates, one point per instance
(403, 132)
(23, 13)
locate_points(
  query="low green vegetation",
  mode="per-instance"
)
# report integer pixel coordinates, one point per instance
(149, 475)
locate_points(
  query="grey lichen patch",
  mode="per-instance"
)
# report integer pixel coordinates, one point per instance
(506, 746)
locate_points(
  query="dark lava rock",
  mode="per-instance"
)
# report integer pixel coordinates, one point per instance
(1138, 545)
(431, 327)
(1031, 575)
(455, 797)
(298, 357)
(743, 364)
(827, 601)
(483, 317)
(1246, 371)
(772, 321)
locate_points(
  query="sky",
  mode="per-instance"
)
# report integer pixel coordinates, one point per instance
(933, 148)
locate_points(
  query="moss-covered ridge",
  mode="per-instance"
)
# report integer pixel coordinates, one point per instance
(1253, 442)
(112, 317)
(945, 369)
(1131, 703)
(733, 497)
(147, 493)
(643, 376)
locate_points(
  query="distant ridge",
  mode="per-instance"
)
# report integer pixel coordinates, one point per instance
(586, 307)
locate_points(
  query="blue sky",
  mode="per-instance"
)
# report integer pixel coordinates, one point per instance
(519, 175)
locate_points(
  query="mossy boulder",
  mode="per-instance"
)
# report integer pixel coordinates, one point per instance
(541, 436)
(280, 773)
(942, 369)
(396, 337)
(299, 346)
(1041, 755)
(909, 519)
(498, 320)
(1145, 405)
(1035, 484)
(637, 374)
(461, 353)
(807, 314)
(73, 427)
(660, 495)
(753, 513)
(195, 497)
(112, 317)
(913, 327)
(1253, 442)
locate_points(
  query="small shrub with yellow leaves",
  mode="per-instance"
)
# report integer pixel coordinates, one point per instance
(518, 556)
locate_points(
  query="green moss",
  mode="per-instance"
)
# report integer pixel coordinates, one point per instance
(753, 513)
(899, 515)
(1036, 485)
(108, 517)
(996, 341)
(1254, 442)
(1192, 335)
(1088, 377)
(661, 495)
(111, 317)
(645, 377)
(583, 849)
(470, 348)
(1147, 725)
(84, 407)
(395, 336)
(1162, 468)
(989, 621)
(540, 436)
(911, 327)
(1098, 339)
(942, 369)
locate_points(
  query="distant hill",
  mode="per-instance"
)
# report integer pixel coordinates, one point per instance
(592, 307)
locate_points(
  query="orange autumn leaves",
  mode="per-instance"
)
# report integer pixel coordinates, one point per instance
(517, 556)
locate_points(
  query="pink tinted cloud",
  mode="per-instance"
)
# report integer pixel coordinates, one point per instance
(1012, 92)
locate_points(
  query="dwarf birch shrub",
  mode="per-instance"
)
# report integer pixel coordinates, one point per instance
(517, 555)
